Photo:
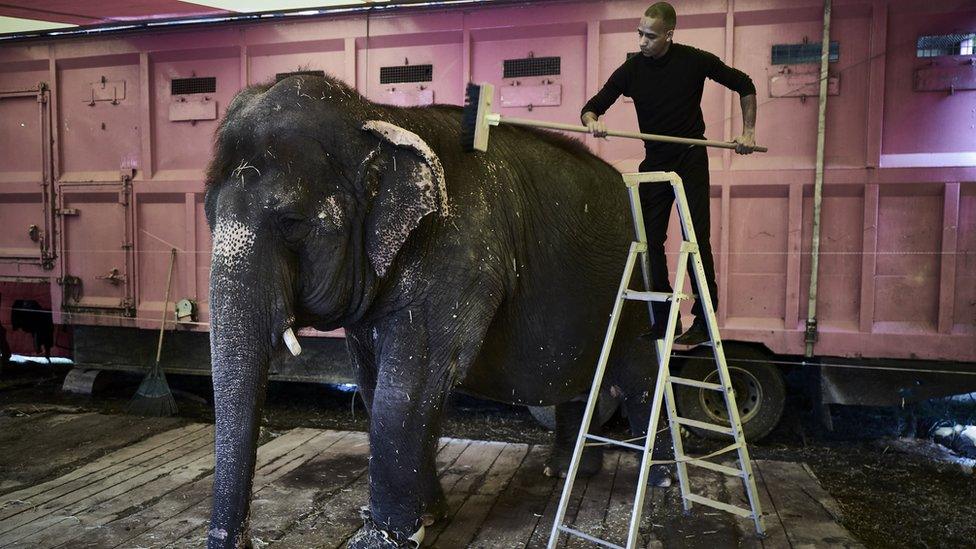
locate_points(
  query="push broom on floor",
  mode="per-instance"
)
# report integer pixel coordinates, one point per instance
(477, 119)
(154, 397)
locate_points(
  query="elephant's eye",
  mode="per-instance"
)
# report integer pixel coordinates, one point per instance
(293, 227)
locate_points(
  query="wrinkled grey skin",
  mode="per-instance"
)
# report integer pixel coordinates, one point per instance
(499, 282)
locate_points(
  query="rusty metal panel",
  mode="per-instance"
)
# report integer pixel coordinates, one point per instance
(96, 249)
(162, 221)
(950, 77)
(801, 85)
(25, 178)
(490, 48)
(442, 50)
(185, 145)
(907, 272)
(192, 110)
(757, 258)
(98, 137)
(946, 129)
(543, 95)
(409, 97)
(265, 61)
(841, 243)
(105, 90)
(792, 123)
(964, 294)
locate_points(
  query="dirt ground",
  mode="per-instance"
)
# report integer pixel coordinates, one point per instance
(892, 492)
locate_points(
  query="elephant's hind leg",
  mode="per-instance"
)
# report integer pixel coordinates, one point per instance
(569, 417)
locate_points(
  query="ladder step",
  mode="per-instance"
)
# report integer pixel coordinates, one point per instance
(703, 425)
(735, 510)
(695, 383)
(634, 295)
(588, 537)
(615, 442)
(730, 471)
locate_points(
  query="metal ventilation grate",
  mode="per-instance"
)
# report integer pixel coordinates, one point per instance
(203, 84)
(531, 66)
(282, 75)
(946, 44)
(798, 54)
(406, 73)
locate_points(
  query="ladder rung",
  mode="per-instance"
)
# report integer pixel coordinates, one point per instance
(634, 295)
(695, 383)
(616, 442)
(695, 498)
(703, 425)
(732, 472)
(588, 537)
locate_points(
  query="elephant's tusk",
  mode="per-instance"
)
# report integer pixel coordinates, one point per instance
(292, 342)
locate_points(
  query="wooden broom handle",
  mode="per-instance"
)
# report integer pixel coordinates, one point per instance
(631, 135)
(162, 325)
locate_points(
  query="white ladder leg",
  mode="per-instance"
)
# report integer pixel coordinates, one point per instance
(705, 298)
(663, 390)
(557, 526)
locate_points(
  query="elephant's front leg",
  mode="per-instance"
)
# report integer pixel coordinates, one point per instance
(411, 387)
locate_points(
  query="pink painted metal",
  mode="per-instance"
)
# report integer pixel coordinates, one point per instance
(103, 11)
(898, 265)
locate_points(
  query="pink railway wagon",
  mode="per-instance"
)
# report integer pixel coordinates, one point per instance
(104, 139)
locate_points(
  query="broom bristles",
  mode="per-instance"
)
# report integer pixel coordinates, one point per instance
(469, 116)
(154, 397)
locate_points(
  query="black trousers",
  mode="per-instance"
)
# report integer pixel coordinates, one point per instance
(656, 201)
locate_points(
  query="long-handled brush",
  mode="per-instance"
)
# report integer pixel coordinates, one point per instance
(477, 119)
(154, 397)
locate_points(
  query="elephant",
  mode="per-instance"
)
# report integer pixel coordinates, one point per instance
(492, 273)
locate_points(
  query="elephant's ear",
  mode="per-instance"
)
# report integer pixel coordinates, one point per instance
(411, 186)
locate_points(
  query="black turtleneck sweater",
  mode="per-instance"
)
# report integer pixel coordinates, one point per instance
(667, 94)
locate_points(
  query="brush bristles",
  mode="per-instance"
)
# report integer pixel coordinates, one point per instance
(469, 116)
(474, 119)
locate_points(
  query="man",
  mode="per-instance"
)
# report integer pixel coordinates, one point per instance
(665, 81)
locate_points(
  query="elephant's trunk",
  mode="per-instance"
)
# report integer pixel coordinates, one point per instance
(248, 315)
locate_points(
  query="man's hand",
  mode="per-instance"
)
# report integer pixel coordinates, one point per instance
(745, 143)
(594, 125)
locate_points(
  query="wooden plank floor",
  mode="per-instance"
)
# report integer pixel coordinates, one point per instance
(309, 484)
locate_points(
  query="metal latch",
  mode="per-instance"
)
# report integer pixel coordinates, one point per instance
(113, 276)
(66, 211)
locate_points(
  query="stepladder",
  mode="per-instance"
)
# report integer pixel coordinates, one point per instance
(663, 396)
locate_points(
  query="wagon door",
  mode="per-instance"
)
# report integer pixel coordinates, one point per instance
(96, 244)
(25, 181)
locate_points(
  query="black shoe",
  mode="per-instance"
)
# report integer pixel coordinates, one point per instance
(698, 333)
(659, 328)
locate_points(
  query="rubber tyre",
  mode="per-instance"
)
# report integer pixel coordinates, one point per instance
(752, 375)
(605, 408)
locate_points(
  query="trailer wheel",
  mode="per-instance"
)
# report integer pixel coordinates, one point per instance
(760, 392)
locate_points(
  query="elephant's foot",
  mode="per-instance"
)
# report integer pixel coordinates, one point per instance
(434, 511)
(659, 477)
(558, 463)
(371, 536)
